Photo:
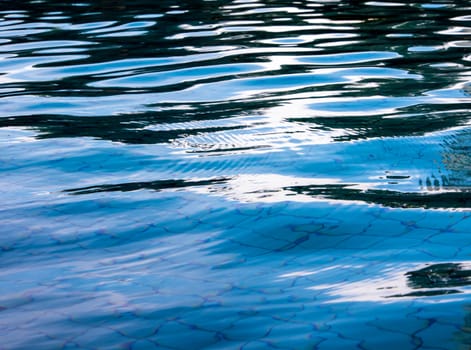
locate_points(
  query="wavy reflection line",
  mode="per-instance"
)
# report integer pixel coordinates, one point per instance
(157, 185)
(29, 71)
(461, 198)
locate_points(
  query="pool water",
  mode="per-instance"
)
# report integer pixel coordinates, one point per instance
(235, 174)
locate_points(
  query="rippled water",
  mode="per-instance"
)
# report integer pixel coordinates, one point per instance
(235, 174)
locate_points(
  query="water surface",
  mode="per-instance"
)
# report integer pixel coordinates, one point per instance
(243, 174)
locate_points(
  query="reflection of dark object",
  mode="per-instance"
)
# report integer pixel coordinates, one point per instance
(439, 276)
(150, 185)
(437, 279)
(426, 293)
(394, 199)
(131, 128)
(125, 129)
(420, 121)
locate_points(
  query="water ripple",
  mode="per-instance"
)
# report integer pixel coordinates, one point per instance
(248, 173)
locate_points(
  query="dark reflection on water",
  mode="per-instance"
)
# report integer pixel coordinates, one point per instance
(458, 199)
(151, 185)
(437, 279)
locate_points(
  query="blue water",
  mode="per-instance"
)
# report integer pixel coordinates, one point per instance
(235, 174)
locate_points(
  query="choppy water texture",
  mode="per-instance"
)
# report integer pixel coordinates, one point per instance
(245, 174)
